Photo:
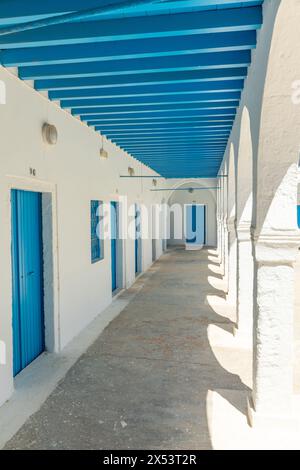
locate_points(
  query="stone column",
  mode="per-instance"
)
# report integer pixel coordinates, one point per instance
(219, 234)
(219, 242)
(225, 254)
(232, 260)
(220, 222)
(275, 255)
(244, 329)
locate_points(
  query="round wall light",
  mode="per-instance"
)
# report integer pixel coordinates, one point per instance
(50, 134)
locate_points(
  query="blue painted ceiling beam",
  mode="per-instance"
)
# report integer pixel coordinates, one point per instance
(174, 113)
(176, 153)
(151, 100)
(141, 125)
(182, 113)
(117, 50)
(18, 11)
(217, 60)
(165, 139)
(97, 106)
(174, 149)
(105, 110)
(195, 131)
(188, 165)
(178, 156)
(148, 90)
(200, 141)
(159, 127)
(169, 133)
(143, 79)
(175, 145)
(160, 119)
(185, 170)
(214, 21)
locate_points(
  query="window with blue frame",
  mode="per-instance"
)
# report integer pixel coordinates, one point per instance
(97, 249)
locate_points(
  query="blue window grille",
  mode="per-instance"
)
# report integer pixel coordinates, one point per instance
(97, 249)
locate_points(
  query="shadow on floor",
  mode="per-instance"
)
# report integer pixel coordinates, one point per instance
(144, 383)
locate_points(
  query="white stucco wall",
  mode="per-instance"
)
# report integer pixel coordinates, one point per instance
(74, 174)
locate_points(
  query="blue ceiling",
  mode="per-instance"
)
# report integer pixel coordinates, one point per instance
(160, 78)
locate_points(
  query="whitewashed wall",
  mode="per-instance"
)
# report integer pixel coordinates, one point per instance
(74, 174)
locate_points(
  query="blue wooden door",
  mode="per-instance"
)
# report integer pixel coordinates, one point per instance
(27, 278)
(195, 224)
(114, 236)
(298, 216)
(137, 239)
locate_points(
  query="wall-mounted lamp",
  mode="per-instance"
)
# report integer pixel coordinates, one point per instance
(154, 183)
(130, 171)
(191, 190)
(103, 152)
(50, 134)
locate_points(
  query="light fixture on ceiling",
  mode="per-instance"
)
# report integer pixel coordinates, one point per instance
(49, 133)
(103, 152)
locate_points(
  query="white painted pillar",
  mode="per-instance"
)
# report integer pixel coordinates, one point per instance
(225, 242)
(219, 241)
(232, 264)
(273, 329)
(275, 248)
(220, 222)
(244, 330)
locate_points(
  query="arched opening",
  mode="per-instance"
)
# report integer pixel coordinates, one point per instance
(244, 188)
(192, 193)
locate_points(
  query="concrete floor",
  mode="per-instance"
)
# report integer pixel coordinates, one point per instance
(144, 382)
(165, 374)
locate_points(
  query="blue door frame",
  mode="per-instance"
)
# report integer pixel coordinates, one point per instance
(195, 220)
(27, 278)
(114, 238)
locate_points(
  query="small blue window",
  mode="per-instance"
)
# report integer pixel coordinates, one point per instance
(298, 215)
(97, 251)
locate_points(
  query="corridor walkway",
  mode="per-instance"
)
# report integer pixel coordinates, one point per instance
(146, 382)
